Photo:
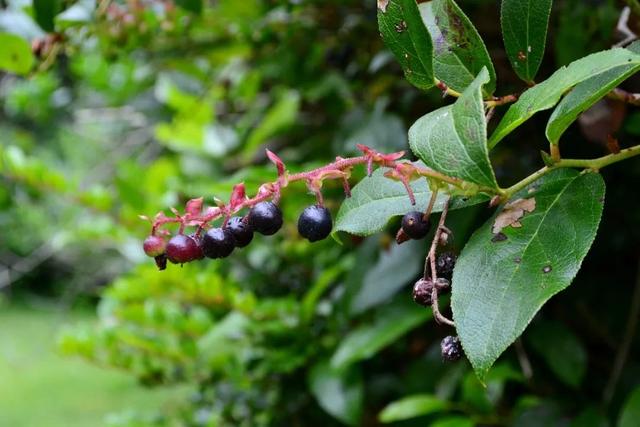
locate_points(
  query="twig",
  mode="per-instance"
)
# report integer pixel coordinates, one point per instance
(431, 260)
(623, 351)
(624, 96)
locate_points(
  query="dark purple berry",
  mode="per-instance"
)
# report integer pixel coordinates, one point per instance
(161, 262)
(240, 230)
(415, 225)
(217, 243)
(445, 263)
(451, 349)
(265, 218)
(154, 246)
(315, 223)
(181, 249)
(422, 292)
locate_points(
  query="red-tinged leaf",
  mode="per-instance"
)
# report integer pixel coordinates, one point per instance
(238, 195)
(194, 206)
(160, 216)
(276, 161)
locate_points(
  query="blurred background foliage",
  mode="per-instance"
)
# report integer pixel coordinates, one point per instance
(131, 107)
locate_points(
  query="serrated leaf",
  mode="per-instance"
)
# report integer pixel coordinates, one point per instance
(585, 94)
(16, 55)
(365, 341)
(562, 351)
(453, 139)
(459, 54)
(338, 391)
(546, 94)
(376, 199)
(631, 411)
(524, 30)
(406, 36)
(413, 406)
(500, 284)
(44, 13)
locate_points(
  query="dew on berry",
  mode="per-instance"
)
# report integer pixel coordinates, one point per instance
(315, 223)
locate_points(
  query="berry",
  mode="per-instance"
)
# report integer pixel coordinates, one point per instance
(422, 292)
(181, 249)
(265, 218)
(315, 223)
(240, 230)
(415, 225)
(161, 262)
(217, 243)
(154, 246)
(445, 263)
(451, 349)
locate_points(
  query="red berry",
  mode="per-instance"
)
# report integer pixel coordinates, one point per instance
(154, 246)
(181, 249)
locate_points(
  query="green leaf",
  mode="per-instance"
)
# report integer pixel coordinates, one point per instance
(453, 139)
(194, 6)
(16, 55)
(562, 351)
(406, 36)
(338, 391)
(585, 94)
(412, 406)
(44, 12)
(630, 413)
(366, 340)
(459, 53)
(394, 269)
(546, 94)
(500, 284)
(454, 421)
(376, 199)
(524, 30)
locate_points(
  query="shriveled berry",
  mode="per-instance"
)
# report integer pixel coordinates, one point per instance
(315, 223)
(161, 262)
(240, 230)
(154, 246)
(422, 292)
(415, 225)
(445, 264)
(181, 249)
(217, 243)
(265, 218)
(451, 349)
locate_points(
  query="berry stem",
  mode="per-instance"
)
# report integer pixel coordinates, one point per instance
(432, 202)
(431, 262)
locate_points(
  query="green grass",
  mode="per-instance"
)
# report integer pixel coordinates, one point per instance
(41, 388)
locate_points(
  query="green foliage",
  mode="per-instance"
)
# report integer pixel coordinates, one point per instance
(522, 271)
(452, 139)
(459, 53)
(524, 29)
(410, 407)
(16, 56)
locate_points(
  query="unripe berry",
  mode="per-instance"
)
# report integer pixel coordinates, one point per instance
(315, 223)
(240, 230)
(265, 218)
(415, 225)
(445, 264)
(451, 349)
(181, 249)
(154, 246)
(217, 243)
(422, 292)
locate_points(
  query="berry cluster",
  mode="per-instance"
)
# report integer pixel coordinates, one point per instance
(314, 224)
